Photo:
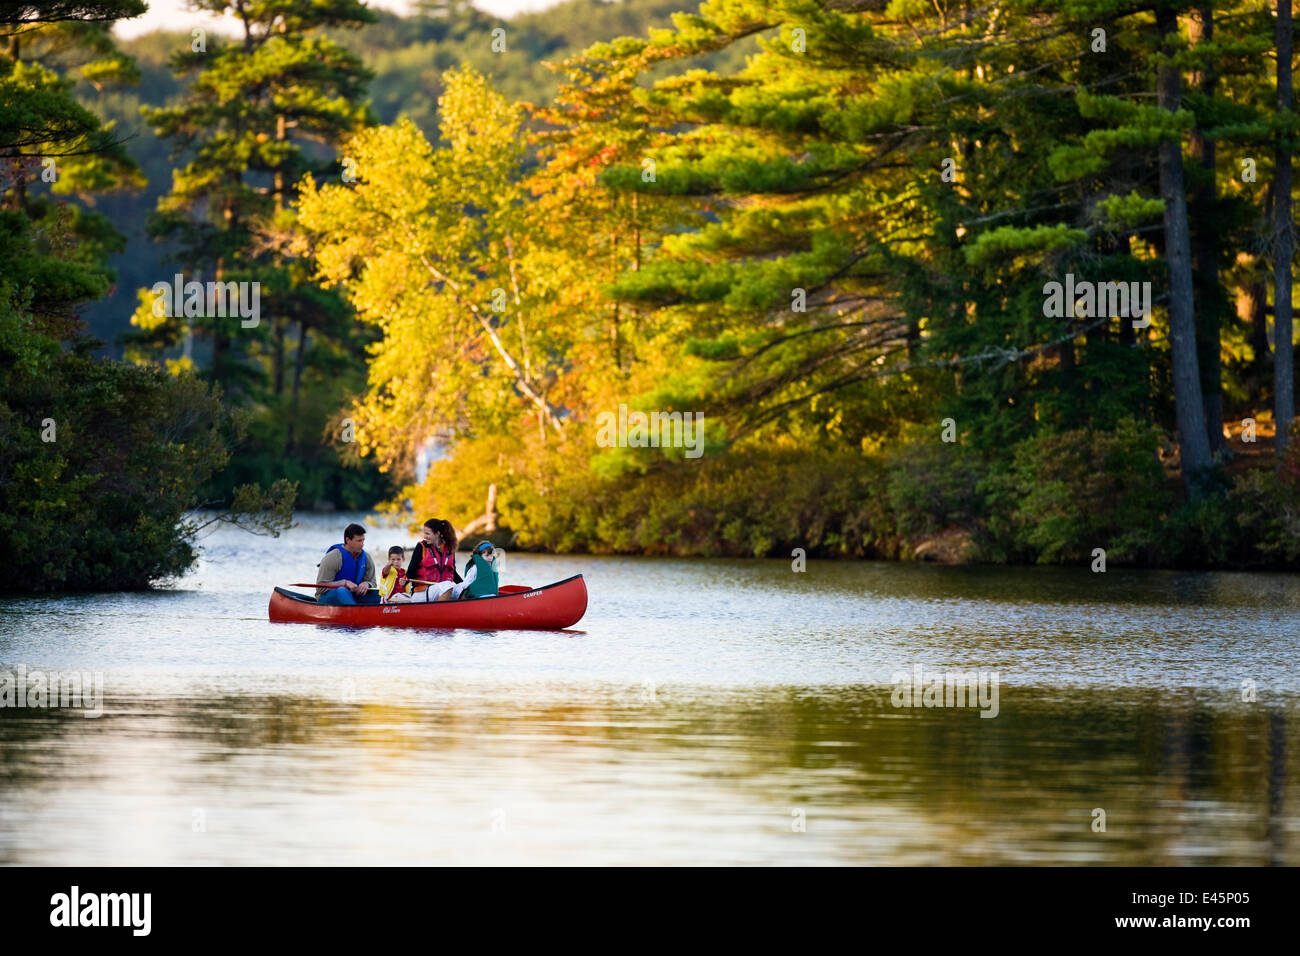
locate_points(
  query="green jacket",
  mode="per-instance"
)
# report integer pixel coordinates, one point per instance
(485, 576)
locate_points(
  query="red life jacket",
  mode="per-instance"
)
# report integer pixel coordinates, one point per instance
(436, 564)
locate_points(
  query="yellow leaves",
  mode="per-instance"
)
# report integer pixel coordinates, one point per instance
(146, 316)
(476, 120)
(475, 292)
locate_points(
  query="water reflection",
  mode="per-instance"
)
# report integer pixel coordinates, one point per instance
(702, 712)
(451, 773)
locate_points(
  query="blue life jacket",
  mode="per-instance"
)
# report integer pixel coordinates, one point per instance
(353, 569)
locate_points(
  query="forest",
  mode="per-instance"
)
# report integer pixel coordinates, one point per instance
(946, 281)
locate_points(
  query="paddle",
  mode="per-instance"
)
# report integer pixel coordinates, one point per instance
(504, 589)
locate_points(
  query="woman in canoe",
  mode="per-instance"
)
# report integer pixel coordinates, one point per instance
(432, 560)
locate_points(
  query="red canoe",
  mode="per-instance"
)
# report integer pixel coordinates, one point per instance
(552, 607)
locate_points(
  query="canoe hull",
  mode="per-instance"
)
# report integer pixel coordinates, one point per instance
(552, 607)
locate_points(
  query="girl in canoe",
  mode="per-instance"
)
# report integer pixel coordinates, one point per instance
(433, 560)
(480, 574)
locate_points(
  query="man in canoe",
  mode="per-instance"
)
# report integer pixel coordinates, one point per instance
(348, 567)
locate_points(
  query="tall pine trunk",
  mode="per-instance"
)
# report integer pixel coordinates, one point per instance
(1252, 309)
(298, 365)
(278, 326)
(1194, 446)
(1212, 299)
(220, 341)
(1283, 361)
(277, 356)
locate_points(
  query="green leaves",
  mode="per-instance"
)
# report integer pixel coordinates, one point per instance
(1010, 242)
(1129, 212)
(102, 507)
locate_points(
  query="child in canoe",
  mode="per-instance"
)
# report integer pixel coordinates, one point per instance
(480, 574)
(393, 581)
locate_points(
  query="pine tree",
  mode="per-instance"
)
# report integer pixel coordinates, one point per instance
(46, 137)
(256, 104)
(264, 110)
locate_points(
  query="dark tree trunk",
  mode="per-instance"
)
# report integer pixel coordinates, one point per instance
(220, 341)
(1065, 352)
(1283, 358)
(1194, 447)
(1212, 298)
(277, 361)
(17, 198)
(297, 385)
(1127, 335)
(1252, 306)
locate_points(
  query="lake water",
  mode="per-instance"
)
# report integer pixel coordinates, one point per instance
(703, 712)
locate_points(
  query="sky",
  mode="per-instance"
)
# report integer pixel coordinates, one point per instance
(174, 15)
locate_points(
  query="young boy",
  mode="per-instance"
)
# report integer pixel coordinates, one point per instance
(393, 580)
